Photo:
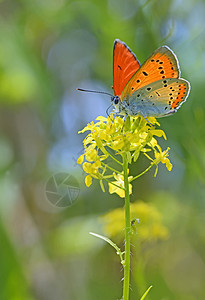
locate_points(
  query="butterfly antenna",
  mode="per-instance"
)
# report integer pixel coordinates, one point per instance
(107, 110)
(97, 92)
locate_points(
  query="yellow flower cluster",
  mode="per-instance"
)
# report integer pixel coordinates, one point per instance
(111, 138)
(146, 220)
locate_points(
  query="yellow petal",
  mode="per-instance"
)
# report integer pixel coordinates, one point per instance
(153, 142)
(97, 164)
(159, 133)
(101, 118)
(115, 189)
(87, 167)
(88, 180)
(80, 159)
(168, 165)
(103, 135)
(91, 155)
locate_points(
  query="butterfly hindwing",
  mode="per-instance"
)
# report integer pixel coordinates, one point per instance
(159, 98)
(161, 64)
(125, 65)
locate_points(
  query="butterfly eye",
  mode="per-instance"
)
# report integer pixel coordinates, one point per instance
(116, 100)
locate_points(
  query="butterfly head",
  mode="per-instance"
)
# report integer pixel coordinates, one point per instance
(115, 102)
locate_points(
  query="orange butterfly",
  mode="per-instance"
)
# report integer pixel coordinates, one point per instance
(153, 89)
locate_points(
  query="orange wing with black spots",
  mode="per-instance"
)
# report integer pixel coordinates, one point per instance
(161, 64)
(125, 65)
(182, 93)
(160, 98)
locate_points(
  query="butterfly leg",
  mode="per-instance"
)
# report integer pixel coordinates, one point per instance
(125, 117)
(114, 115)
(146, 119)
(149, 122)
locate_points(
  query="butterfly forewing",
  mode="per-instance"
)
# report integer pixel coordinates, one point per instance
(125, 65)
(161, 64)
(159, 98)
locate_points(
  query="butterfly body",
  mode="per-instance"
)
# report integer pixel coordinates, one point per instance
(153, 89)
(145, 109)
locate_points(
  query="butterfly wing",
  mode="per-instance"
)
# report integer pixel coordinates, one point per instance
(160, 98)
(125, 65)
(161, 64)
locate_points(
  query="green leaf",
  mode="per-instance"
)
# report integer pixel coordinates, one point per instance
(118, 250)
(145, 294)
(14, 284)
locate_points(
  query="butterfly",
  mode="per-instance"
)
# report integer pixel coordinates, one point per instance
(153, 89)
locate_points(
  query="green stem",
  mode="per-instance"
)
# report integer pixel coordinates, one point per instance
(142, 173)
(116, 171)
(127, 231)
(102, 148)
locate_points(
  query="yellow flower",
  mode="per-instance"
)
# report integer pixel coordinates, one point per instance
(118, 185)
(92, 168)
(146, 220)
(109, 138)
(161, 156)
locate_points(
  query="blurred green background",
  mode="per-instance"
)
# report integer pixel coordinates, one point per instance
(48, 49)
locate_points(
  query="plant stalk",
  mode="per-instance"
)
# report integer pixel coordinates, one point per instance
(126, 284)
